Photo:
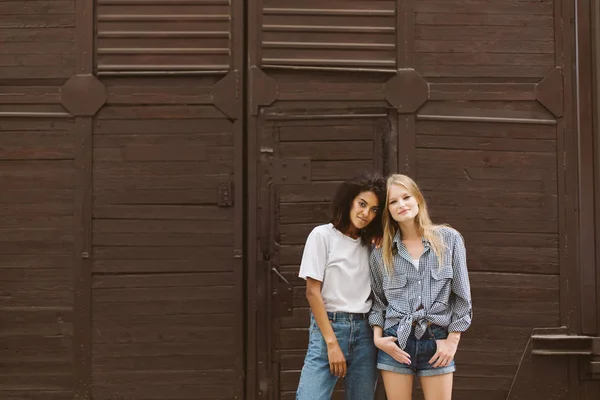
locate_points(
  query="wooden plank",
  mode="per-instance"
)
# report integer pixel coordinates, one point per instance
(325, 133)
(313, 192)
(469, 198)
(490, 144)
(338, 170)
(162, 211)
(38, 21)
(17, 223)
(481, 92)
(328, 150)
(160, 226)
(295, 233)
(153, 363)
(290, 213)
(150, 264)
(479, 158)
(182, 307)
(333, 91)
(172, 139)
(160, 166)
(482, 32)
(155, 126)
(161, 280)
(29, 174)
(163, 334)
(485, 186)
(216, 157)
(150, 197)
(165, 349)
(190, 253)
(58, 261)
(176, 378)
(18, 297)
(157, 391)
(165, 239)
(110, 182)
(490, 109)
(485, 7)
(485, 18)
(484, 71)
(484, 46)
(118, 295)
(36, 382)
(161, 113)
(482, 59)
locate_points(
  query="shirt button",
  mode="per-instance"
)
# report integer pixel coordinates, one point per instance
(419, 282)
(419, 297)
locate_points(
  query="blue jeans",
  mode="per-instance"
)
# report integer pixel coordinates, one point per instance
(355, 337)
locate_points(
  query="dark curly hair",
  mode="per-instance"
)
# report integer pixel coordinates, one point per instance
(345, 195)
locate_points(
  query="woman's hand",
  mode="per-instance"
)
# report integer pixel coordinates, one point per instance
(446, 349)
(376, 242)
(337, 361)
(388, 344)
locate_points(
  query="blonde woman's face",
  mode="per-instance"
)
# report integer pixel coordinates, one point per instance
(402, 205)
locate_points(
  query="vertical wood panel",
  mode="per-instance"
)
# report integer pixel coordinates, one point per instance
(84, 64)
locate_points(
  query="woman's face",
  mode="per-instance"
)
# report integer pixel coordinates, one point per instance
(403, 206)
(364, 209)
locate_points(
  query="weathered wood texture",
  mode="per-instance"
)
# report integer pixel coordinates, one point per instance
(164, 291)
(487, 148)
(151, 306)
(36, 257)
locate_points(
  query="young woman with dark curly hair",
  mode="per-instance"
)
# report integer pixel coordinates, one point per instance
(335, 265)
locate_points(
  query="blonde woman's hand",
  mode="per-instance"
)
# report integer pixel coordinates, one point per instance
(376, 242)
(337, 361)
(446, 349)
(388, 344)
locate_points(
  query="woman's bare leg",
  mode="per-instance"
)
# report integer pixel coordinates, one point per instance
(437, 387)
(397, 386)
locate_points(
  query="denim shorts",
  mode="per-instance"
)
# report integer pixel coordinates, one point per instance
(420, 351)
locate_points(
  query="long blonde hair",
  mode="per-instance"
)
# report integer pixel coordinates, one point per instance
(425, 227)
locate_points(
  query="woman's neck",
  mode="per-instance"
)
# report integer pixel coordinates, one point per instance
(352, 232)
(409, 230)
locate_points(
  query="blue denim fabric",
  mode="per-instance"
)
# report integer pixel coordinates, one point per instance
(355, 337)
(420, 351)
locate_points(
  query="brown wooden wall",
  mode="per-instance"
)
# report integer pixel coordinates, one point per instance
(121, 234)
(161, 163)
(476, 101)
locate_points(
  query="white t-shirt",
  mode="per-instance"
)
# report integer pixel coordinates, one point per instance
(415, 262)
(342, 264)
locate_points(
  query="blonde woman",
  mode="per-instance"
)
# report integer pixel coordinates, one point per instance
(421, 296)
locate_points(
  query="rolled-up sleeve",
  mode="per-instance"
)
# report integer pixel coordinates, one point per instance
(460, 302)
(377, 313)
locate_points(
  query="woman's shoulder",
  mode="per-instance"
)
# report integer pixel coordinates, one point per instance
(324, 232)
(448, 234)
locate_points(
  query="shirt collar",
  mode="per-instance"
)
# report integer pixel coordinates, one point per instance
(398, 240)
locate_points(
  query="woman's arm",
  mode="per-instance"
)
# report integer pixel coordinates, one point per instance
(460, 298)
(460, 303)
(379, 306)
(337, 362)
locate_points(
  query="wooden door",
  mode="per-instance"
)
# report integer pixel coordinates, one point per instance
(476, 96)
(121, 232)
(303, 158)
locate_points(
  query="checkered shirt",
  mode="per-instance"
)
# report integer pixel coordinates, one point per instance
(440, 295)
